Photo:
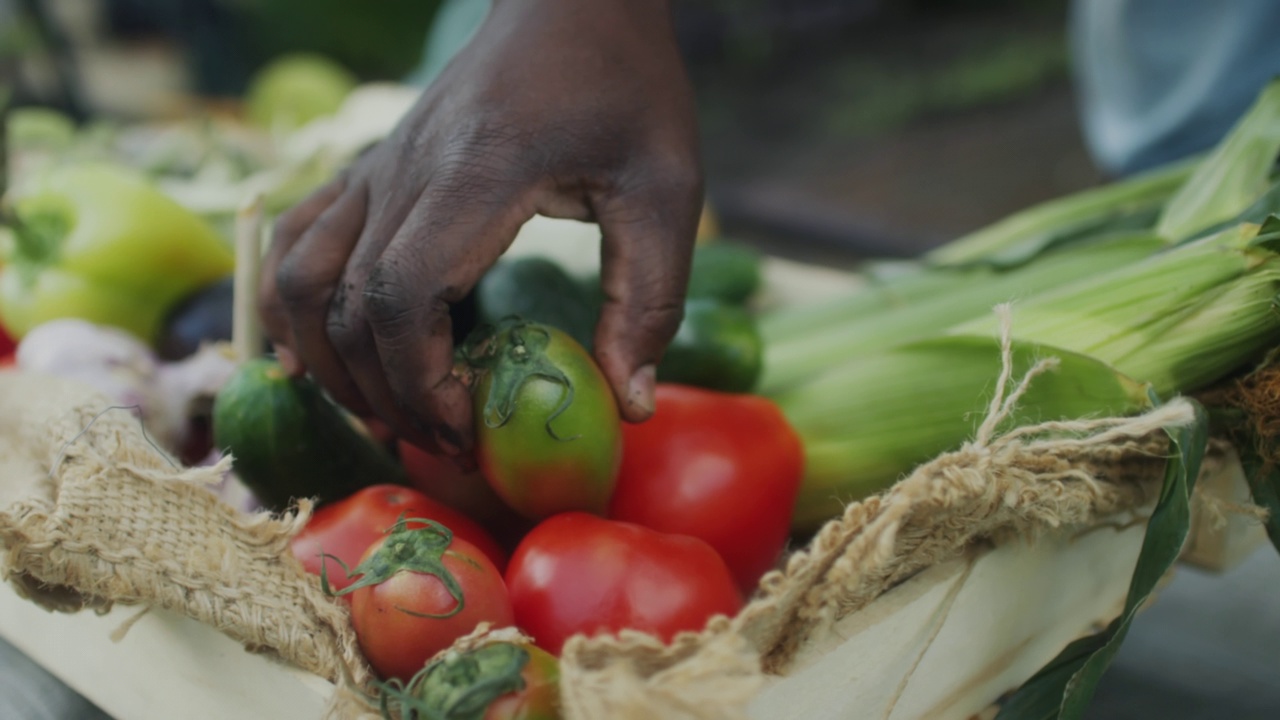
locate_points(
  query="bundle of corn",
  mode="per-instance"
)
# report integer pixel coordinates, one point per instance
(1135, 306)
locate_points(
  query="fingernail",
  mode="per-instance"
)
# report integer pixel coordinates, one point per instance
(288, 360)
(640, 389)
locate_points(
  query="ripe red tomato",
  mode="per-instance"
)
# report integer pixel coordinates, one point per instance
(579, 573)
(7, 345)
(347, 527)
(725, 468)
(419, 591)
(7, 360)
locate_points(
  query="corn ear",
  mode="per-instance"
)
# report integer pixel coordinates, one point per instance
(1178, 320)
(875, 418)
(1172, 323)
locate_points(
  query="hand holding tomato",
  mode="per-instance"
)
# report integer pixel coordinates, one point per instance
(416, 591)
(725, 468)
(578, 573)
(344, 529)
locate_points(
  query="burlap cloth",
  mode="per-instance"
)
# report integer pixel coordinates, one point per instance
(92, 514)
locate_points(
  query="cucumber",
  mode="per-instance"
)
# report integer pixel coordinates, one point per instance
(538, 290)
(724, 271)
(718, 346)
(290, 441)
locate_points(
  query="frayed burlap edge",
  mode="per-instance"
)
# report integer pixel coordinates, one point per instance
(96, 515)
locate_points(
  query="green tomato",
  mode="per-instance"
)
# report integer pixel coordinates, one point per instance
(549, 436)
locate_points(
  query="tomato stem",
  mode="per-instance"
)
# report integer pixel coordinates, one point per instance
(513, 352)
(459, 685)
(406, 549)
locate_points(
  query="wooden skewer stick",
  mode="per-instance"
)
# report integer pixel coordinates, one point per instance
(246, 327)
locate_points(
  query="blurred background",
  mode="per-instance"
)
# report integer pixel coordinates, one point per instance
(834, 130)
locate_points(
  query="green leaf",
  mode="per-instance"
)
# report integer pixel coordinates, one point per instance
(1234, 176)
(1063, 689)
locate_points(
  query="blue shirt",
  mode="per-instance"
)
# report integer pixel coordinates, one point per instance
(1159, 80)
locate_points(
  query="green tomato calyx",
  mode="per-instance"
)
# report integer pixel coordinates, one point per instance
(513, 352)
(458, 685)
(419, 549)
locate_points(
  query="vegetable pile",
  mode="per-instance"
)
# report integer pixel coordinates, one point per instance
(117, 273)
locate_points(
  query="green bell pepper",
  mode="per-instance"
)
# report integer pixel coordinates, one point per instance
(101, 243)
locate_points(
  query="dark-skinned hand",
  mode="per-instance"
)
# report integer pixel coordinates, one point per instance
(576, 109)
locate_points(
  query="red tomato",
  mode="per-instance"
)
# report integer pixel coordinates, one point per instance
(347, 527)
(7, 360)
(578, 573)
(421, 590)
(7, 346)
(724, 468)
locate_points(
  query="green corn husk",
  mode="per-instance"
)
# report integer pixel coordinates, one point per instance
(909, 283)
(1119, 211)
(1168, 324)
(1235, 174)
(1188, 195)
(1024, 234)
(1257, 213)
(1179, 202)
(1179, 320)
(877, 417)
(977, 290)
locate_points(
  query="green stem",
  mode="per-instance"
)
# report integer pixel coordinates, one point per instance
(512, 352)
